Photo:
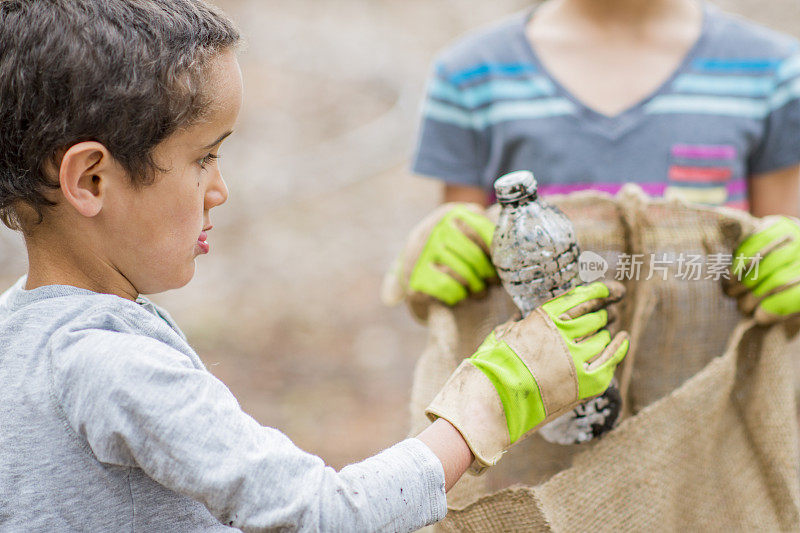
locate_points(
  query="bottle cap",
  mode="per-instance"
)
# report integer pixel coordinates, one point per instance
(515, 186)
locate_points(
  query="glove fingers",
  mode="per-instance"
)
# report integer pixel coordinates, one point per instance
(441, 285)
(777, 281)
(773, 285)
(574, 297)
(779, 259)
(594, 345)
(585, 325)
(459, 270)
(761, 242)
(780, 252)
(779, 306)
(476, 226)
(612, 355)
(616, 291)
(470, 252)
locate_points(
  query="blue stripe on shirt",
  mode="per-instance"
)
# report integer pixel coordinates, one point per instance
(497, 113)
(752, 66)
(490, 91)
(484, 70)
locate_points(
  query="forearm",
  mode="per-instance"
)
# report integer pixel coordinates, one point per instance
(776, 193)
(449, 446)
(464, 193)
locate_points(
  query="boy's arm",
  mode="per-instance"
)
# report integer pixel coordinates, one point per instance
(465, 193)
(137, 402)
(450, 447)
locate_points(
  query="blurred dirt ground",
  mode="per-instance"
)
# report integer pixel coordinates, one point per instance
(285, 309)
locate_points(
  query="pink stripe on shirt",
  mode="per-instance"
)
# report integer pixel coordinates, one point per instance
(700, 151)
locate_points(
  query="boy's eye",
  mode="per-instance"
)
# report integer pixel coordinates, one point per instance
(207, 160)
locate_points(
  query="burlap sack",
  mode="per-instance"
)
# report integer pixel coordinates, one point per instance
(710, 437)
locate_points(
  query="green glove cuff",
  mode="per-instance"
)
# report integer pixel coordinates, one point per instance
(516, 387)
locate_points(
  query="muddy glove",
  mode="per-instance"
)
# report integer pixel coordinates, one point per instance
(529, 372)
(446, 259)
(765, 274)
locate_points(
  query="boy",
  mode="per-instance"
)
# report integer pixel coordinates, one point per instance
(112, 114)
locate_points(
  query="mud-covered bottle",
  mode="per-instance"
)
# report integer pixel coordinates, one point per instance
(536, 255)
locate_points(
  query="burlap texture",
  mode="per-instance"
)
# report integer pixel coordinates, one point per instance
(710, 440)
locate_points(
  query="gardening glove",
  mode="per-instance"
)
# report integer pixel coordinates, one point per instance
(765, 274)
(446, 258)
(529, 372)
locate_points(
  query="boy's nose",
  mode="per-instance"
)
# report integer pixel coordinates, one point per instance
(217, 193)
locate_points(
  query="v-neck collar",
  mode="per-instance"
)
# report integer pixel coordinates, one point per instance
(612, 126)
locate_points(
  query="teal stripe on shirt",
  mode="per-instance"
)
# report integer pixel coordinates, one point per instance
(724, 85)
(708, 105)
(789, 68)
(448, 114)
(485, 93)
(548, 107)
(497, 113)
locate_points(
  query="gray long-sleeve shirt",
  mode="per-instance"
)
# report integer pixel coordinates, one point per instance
(110, 422)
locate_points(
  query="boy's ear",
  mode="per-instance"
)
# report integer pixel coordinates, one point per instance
(84, 174)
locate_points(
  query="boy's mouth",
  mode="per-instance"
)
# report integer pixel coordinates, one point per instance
(202, 244)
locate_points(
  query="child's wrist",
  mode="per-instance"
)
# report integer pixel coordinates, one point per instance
(449, 446)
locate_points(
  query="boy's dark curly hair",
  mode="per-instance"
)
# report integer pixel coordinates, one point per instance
(125, 73)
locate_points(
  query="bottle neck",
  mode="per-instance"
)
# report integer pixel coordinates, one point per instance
(520, 201)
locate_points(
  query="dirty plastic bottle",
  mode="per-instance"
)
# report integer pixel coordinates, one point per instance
(536, 255)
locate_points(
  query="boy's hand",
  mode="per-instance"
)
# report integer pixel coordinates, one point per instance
(765, 274)
(446, 257)
(529, 372)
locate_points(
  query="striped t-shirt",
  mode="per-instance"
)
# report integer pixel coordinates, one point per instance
(730, 111)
